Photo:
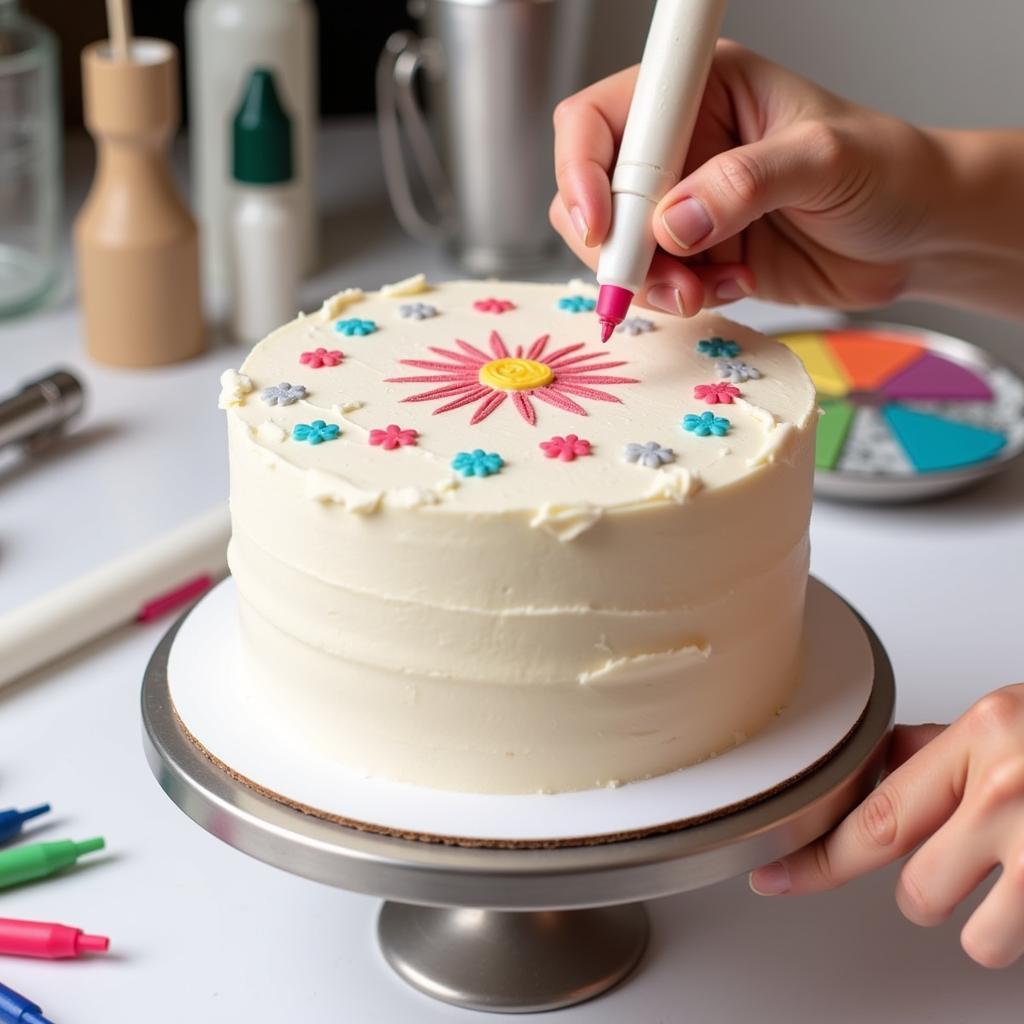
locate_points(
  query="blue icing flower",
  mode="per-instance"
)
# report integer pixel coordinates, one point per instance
(718, 347)
(478, 463)
(706, 423)
(651, 454)
(355, 326)
(576, 304)
(283, 393)
(316, 432)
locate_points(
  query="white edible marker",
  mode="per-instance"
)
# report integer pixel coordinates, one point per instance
(669, 89)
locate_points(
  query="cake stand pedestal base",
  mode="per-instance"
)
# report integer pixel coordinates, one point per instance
(517, 930)
(512, 962)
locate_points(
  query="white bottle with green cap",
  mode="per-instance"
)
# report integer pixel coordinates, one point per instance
(266, 229)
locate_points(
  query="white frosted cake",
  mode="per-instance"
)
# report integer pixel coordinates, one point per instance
(475, 549)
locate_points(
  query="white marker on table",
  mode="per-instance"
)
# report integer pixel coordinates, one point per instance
(669, 89)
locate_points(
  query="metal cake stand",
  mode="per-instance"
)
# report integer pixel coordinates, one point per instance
(513, 930)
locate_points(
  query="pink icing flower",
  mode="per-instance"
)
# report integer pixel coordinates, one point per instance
(321, 357)
(565, 448)
(392, 436)
(493, 305)
(715, 393)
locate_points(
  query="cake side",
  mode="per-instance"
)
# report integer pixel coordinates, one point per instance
(562, 622)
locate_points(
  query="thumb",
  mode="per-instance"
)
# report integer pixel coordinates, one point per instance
(907, 807)
(806, 165)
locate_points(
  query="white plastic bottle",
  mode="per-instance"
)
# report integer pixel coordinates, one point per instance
(226, 40)
(264, 235)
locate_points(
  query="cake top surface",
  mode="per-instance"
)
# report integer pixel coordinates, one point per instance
(492, 396)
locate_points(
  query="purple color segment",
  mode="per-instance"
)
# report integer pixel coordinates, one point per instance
(933, 376)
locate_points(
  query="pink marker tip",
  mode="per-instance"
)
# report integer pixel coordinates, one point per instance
(91, 943)
(612, 307)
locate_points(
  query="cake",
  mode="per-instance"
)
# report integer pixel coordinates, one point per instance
(477, 550)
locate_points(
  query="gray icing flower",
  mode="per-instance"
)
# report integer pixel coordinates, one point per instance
(736, 371)
(417, 311)
(652, 455)
(283, 393)
(635, 325)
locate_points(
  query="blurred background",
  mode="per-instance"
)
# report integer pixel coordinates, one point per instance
(931, 61)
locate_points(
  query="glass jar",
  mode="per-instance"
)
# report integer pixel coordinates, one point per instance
(29, 161)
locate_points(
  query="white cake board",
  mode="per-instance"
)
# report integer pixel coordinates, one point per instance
(209, 696)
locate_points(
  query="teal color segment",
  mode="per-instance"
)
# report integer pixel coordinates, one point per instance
(933, 444)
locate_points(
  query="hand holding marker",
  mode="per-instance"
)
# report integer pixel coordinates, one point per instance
(667, 97)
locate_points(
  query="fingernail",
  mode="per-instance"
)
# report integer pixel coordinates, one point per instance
(771, 880)
(579, 222)
(666, 298)
(729, 290)
(687, 222)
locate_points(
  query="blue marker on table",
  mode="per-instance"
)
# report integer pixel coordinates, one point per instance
(15, 1009)
(12, 820)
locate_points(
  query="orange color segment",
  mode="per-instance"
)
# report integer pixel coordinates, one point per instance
(870, 358)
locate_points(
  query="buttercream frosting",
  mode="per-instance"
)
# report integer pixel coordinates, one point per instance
(536, 623)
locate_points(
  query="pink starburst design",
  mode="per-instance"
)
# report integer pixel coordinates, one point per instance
(493, 305)
(572, 377)
(715, 393)
(393, 436)
(321, 357)
(565, 448)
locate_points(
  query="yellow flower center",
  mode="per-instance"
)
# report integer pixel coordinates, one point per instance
(515, 374)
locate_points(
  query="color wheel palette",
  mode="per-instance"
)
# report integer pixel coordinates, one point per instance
(907, 413)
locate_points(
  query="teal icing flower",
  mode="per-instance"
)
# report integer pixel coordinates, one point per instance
(478, 463)
(576, 304)
(355, 326)
(706, 423)
(316, 432)
(718, 347)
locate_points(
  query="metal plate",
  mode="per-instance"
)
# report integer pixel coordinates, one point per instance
(568, 877)
(847, 485)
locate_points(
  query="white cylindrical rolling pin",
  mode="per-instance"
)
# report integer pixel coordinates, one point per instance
(137, 586)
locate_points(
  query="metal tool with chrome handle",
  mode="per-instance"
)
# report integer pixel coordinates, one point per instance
(38, 411)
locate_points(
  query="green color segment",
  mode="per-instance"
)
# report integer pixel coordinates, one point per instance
(27, 863)
(262, 134)
(832, 430)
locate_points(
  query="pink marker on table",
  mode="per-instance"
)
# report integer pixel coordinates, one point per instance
(53, 941)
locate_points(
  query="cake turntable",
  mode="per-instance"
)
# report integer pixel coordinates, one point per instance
(560, 920)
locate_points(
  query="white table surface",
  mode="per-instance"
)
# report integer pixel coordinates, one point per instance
(203, 933)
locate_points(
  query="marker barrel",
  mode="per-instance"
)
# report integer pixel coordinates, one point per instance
(11, 820)
(15, 1007)
(656, 137)
(26, 863)
(43, 939)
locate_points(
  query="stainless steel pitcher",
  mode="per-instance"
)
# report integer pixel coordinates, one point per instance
(493, 72)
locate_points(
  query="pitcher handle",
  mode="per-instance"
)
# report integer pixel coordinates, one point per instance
(404, 55)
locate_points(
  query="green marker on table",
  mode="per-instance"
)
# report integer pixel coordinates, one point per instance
(26, 863)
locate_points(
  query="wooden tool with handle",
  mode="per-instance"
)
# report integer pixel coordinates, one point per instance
(135, 240)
